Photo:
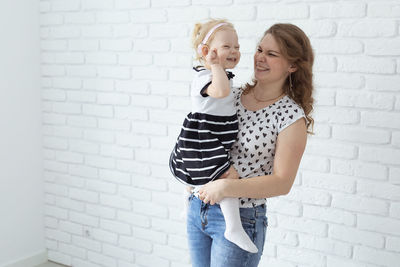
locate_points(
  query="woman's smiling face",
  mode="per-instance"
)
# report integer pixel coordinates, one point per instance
(269, 63)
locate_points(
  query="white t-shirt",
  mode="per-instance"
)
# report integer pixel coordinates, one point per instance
(253, 152)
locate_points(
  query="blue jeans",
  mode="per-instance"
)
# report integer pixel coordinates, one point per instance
(207, 244)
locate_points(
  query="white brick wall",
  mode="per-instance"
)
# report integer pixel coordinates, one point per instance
(115, 79)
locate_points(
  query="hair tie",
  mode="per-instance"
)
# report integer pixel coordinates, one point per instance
(199, 47)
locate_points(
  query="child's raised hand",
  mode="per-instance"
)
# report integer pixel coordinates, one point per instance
(212, 57)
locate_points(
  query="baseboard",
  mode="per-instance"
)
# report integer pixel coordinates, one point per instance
(29, 261)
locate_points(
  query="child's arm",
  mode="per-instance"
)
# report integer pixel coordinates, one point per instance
(220, 85)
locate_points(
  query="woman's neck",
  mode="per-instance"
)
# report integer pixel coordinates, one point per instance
(265, 92)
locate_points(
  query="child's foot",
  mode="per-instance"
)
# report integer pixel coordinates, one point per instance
(240, 238)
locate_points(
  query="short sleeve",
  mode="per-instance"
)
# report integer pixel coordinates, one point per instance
(289, 114)
(201, 82)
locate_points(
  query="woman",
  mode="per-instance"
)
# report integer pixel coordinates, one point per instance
(274, 119)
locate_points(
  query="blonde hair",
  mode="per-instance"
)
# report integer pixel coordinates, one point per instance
(201, 29)
(296, 48)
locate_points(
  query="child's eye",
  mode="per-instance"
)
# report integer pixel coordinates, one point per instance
(227, 46)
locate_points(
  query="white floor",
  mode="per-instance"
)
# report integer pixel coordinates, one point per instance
(50, 264)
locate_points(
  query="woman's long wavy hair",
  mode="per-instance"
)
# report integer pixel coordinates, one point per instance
(296, 48)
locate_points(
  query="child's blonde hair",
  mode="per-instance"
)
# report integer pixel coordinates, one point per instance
(201, 29)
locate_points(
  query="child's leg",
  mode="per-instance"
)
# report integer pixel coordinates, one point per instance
(234, 231)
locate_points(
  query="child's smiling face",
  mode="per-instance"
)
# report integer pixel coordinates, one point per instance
(226, 43)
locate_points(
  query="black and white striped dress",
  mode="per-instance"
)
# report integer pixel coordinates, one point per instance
(201, 152)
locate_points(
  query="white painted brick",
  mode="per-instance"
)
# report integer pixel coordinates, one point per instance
(119, 45)
(334, 262)
(133, 167)
(151, 260)
(155, 156)
(83, 147)
(97, 31)
(155, 237)
(115, 201)
(382, 82)
(310, 196)
(343, 167)
(178, 241)
(381, 119)
(64, 32)
(116, 152)
(59, 257)
(170, 253)
(383, 47)
(116, 125)
(370, 170)
(83, 45)
(132, 87)
(86, 243)
(364, 64)
(100, 211)
(303, 225)
(283, 206)
(355, 203)
(325, 245)
(81, 263)
(101, 187)
(134, 219)
(333, 182)
(51, 244)
(136, 59)
(190, 14)
(108, 58)
(394, 175)
(135, 193)
(320, 29)
(102, 260)
(381, 155)
(338, 46)
(55, 212)
(360, 134)
(283, 237)
(131, 4)
(52, 70)
(72, 250)
(148, 73)
(112, 17)
(168, 30)
(150, 209)
(375, 256)
(83, 171)
(54, 142)
(118, 253)
(132, 140)
(238, 13)
(364, 100)
(55, 166)
(115, 176)
(392, 243)
(67, 83)
(97, 4)
(289, 11)
(84, 195)
(344, 10)
(105, 236)
(301, 256)
(97, 110)
(79, 18)
(67, 131)
(114, 72)
(173, 60)
(148, 128)
(325, 64)
(115, 227)
(51, 19)
(58, 235)
(67, 203)
(83, 97)
(60, 5)
(367, 28)
(50, 222)
(135, 244)
(81, 71)
(329, 215)
(355, 236)
(130, 30)
(69, 157)
(53, 45)
(169, 116)
(385, 9)
(336, 115)
(378, 190)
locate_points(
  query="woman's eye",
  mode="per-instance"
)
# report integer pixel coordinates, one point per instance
(259, 50)
(227, 46)
(273, 55)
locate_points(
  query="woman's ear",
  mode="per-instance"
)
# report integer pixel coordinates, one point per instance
(292, 68)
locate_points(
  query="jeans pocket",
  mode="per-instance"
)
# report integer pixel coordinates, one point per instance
(249, 226)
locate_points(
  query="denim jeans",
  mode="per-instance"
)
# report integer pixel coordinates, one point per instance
(207, 244)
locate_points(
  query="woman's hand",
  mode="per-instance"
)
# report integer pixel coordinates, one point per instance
(213, 192)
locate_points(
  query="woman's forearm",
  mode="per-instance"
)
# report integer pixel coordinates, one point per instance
(258, 187)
